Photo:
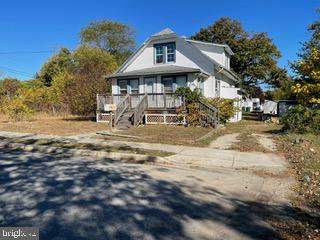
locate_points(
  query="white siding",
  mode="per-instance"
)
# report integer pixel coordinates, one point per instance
(209, 87)
(216, 53)
(191, 55)
(115, 87)
(186, 56)
(141, 85)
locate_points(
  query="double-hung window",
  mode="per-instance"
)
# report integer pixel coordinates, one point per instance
(171, 56)
(123, 87)
(165, 52)
(134, 86)
(171, 83)
(168, 84)
(130, 86)
(159, 54)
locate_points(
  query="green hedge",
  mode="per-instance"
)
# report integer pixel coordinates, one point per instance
(302, 119)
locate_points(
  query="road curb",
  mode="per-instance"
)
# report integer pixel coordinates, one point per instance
(99, 155)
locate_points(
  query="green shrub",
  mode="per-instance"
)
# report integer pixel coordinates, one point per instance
(302, 119)
(16, 109)
(226, 108)
(189, 95)
(193, 115)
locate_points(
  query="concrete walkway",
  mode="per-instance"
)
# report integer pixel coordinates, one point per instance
(184, 155)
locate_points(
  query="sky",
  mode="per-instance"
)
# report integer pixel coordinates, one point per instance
(42, 27)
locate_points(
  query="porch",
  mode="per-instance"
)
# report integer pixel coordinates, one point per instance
(154, 108)
(132, 109)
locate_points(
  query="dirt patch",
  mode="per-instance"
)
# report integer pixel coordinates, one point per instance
(225, 141)
(248, 143)
(266, 141)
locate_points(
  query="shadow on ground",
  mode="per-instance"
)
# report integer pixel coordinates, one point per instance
(74, 198)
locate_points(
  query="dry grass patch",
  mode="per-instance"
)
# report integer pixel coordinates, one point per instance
(52, 125)
(180, 135)
(166, 134)
(247, 141)
(303, 155)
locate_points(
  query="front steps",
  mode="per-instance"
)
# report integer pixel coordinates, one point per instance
(125, 120)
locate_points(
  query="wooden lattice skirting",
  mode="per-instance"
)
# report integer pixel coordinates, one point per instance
(104, 117)
(152, 119)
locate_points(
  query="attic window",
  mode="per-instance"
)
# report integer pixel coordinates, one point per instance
(165, 52)
(159, 54)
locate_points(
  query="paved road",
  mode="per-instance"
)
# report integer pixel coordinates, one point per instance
(81, 198)
(184, 155)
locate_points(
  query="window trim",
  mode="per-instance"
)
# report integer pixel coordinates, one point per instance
(164, 52)
(128, 84)
(174, 81)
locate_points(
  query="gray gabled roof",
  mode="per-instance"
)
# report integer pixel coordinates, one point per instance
(165, 31)
(169, 69)
(225, 46)
(168, 33)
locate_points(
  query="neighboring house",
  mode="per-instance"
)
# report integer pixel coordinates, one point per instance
(252, 105)
(166, 62)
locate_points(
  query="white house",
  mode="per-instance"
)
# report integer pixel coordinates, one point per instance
(166, 61)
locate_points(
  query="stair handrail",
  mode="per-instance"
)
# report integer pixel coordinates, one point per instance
(208, 114)
(139, 110)
(121, 108)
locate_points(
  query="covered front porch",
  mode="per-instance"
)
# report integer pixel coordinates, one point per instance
(161, 108)
(148, 96)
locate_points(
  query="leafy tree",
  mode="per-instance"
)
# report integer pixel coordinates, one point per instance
(113, 37)
(54, 66)
(85, 79)
(9, 87)
(255, 55)
(308, 88)
(307, 69)
(227, 108)
(312, 43)
(16, 109)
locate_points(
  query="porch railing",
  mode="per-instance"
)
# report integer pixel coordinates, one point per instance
(139, 110)
(102, 100)
(209, 115)
(155, 100)
(121, 108)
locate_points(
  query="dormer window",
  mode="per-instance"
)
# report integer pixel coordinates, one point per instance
(165, 52)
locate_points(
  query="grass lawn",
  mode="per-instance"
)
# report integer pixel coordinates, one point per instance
(168, 134)
(52, 125)
(190, 136)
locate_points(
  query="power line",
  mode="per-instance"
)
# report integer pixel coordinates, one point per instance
(24, 52)
(17, 72)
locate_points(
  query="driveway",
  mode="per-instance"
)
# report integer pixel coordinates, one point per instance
(72, 197)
